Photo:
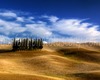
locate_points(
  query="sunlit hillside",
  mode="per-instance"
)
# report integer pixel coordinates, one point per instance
(56, 61)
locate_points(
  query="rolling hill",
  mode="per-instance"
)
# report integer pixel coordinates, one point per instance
(56, 61)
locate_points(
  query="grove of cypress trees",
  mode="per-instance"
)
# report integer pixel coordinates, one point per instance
(25, 44)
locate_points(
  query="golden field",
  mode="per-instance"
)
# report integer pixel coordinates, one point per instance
(56, 61)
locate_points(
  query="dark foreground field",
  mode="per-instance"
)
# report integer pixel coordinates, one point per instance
(54, 62)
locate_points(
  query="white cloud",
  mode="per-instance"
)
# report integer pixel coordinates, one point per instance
(76, 28)
(5, 39)
(51, 18)
(31, 18)
(39, 30)
(58, 30)
(8, 14)
(20, 19)
(23, 19)
(9, 28)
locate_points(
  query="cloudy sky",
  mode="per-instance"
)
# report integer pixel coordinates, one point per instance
(52, 20)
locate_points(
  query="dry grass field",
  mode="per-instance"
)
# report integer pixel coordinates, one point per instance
(56, 61)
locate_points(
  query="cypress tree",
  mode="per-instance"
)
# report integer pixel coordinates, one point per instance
(26, 43)
(36, 43)
(41, 43)
(33, 44)
(14, 44)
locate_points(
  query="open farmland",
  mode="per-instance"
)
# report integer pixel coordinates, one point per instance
(56, 61)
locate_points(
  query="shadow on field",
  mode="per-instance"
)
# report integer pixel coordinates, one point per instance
(80, 54)
(6, 51)
(85, 76)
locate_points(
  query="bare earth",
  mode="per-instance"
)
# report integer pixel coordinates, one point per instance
(56, 61)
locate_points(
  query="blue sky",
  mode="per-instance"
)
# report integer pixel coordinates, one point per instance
(54, 20)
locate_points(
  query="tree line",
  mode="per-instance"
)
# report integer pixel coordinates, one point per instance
(27, 44)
